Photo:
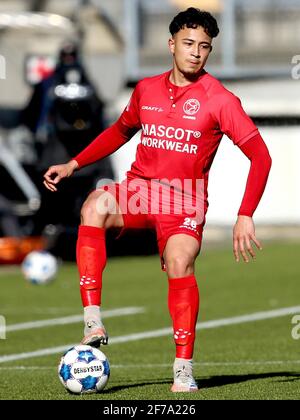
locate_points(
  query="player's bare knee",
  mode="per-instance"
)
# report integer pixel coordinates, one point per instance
(106, 204)
(179, 266)
(100, 209)
(90, 214)
(87, 212)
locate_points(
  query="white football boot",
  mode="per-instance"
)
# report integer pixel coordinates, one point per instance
(183, 376)
(94, 334)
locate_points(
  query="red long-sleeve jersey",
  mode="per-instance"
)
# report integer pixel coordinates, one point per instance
(181, 129)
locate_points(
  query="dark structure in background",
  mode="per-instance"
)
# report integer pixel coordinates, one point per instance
(63, 114)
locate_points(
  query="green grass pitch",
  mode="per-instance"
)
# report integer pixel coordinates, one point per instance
(249, 360)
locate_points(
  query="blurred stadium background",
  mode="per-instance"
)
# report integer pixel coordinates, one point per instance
(121, 41)
(256, 55)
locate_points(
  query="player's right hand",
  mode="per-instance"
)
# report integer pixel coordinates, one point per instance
(57, 172)
(243, 235)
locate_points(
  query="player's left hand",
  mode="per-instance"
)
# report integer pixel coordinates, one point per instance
(243, 235)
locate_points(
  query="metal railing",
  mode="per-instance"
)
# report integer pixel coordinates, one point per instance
(257, 38)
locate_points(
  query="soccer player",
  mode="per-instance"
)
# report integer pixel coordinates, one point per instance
(182, 115)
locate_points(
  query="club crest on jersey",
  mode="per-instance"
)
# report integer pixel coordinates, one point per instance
(190, 108)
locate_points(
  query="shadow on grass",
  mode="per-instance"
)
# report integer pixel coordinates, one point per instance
(213, 381)
(217, 381)
(135, 385)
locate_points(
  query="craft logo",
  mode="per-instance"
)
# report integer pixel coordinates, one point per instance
(152, 108)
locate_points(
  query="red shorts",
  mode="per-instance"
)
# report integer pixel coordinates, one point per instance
(139, 212)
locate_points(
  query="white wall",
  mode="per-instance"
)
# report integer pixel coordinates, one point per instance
(281, 200)
(228, 175)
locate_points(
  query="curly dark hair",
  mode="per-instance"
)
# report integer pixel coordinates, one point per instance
(192, 18)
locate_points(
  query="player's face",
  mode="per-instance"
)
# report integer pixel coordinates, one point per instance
(190, 48)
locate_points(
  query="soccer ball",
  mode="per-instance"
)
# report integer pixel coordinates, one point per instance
(84, 369)
(39, 267)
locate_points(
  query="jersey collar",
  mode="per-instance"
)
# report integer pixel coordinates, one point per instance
(182, 89)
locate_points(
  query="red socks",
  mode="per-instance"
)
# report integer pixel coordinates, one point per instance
(183, 302)
(91, 261)
(183, 298)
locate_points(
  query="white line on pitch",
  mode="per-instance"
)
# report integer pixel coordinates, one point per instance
(167, 365)
(257, 316)
(239, 363)
(72, 319)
